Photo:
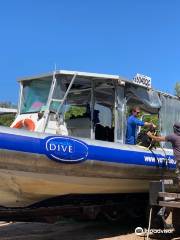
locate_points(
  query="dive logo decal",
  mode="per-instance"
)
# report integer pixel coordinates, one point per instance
(67, 150)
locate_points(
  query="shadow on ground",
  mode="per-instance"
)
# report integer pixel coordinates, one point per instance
(166, 236)
(74, 230)
(66, 230)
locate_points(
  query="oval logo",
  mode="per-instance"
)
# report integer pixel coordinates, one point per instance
(67, 150)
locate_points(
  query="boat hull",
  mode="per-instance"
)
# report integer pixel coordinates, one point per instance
(30, 174)
(18, 188)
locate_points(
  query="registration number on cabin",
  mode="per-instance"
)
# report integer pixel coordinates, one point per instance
(142, 80)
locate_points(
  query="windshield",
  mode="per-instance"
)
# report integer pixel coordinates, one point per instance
(35, 95)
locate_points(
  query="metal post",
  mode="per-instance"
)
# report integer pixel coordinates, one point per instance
(46, 113)
(115, 117)
(66, 94)
(20, 98)
(119, 116)
(92, 109)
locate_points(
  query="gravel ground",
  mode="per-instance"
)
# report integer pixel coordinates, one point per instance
(71, 230)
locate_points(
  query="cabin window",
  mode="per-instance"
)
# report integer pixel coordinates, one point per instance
(60, 88)
(76, 110)
(103, 118)
(35, 94)
(120, 114)
(58, 93)
(89, 109)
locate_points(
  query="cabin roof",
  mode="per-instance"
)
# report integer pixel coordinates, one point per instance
(91, 76)
(81, 74)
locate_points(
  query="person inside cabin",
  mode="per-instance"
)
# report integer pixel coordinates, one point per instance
(132, 126)
(174, 139)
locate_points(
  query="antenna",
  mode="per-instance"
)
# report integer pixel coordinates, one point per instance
(55, 67)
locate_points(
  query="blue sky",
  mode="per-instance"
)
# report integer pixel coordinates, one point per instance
(122, 37)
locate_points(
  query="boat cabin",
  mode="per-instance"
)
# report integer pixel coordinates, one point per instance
(90, 105)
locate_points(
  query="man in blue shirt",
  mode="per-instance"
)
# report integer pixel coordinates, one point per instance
(132, 126)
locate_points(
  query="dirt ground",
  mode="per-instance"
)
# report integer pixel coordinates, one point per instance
(72, 230)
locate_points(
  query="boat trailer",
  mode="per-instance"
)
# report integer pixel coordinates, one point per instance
(80, 206)
(164, 195)
(52, 214)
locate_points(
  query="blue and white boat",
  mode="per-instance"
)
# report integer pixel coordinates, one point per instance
(68, 138)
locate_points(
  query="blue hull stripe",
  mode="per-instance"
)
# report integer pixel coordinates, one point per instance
(98, 153)
(20, 143)
(130, 157)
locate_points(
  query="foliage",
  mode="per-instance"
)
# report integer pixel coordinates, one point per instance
(7, 119)
(74, 112)
(153, 118)
(177, 89)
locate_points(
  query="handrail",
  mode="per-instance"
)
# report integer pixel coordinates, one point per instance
(65, 95)
(46, 113)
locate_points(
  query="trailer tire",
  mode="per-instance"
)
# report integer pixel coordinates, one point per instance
(176, 219)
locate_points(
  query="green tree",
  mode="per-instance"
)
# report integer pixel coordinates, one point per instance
(6, 119)
(177, 89)
(75, 112)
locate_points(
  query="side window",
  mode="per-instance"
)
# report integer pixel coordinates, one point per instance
(35, 95)
(77, 114)
(58, 94)
(104, 112)
(104, 115)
